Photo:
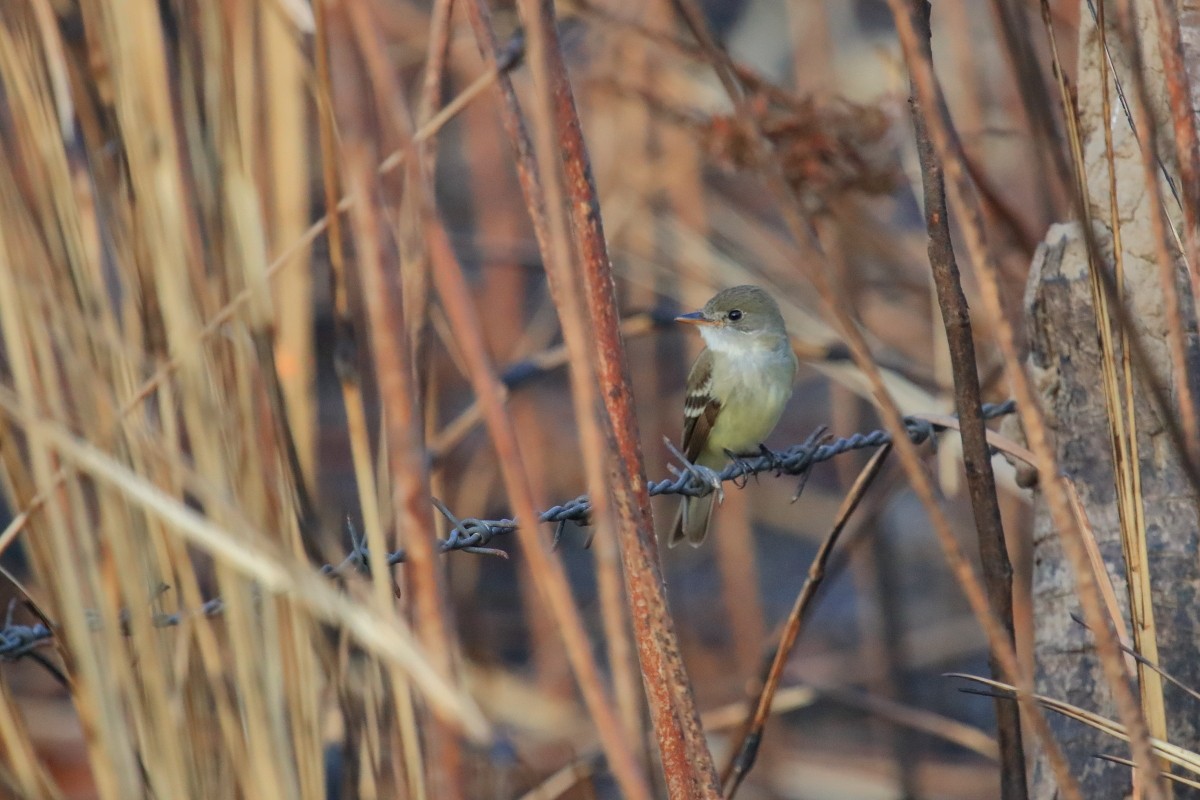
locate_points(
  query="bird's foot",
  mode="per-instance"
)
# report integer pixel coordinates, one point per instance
(772, 458)
(744, 467)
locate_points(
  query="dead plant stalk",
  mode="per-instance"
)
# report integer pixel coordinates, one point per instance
(981, 482)
(687, 763)
(746, 749)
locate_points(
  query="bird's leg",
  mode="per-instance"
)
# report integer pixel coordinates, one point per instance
(744, 466)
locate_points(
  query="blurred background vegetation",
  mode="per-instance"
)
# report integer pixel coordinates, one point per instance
(194, 402)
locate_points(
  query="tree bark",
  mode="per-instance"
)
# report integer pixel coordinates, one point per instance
(1065, 359)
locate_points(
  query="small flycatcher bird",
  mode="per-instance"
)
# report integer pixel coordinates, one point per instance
(736, 390)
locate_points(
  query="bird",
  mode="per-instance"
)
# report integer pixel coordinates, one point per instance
(736, 391)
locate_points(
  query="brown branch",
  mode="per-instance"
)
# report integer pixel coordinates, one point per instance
(687, 763)
(745, 751)
(981, 481)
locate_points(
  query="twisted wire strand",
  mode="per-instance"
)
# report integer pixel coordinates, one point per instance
(473, 535)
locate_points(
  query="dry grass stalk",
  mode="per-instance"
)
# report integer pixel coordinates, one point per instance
(546, 569)
(1164, 233)
(252, 685)
(977, 461)
(1119, 397)
(1179, 756)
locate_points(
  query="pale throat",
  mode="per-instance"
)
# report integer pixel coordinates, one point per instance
(733, 342)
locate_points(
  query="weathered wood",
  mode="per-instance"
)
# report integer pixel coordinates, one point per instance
(1065, 359)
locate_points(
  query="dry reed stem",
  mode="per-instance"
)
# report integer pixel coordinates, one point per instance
(960, 568)
(1146, 133)
(1122, 414)
(687, 762)
(1107, 592)
(404, 451)
(1179, 756)
(225, 208)
(610, 125)
(106, 686)
(287, 217)
(1180, 100)
(1080, 203)
(396, 385)
(434, 75)
(583, 391)
(1182, 781)
(412, 752)
(907, 16)
(274, 573)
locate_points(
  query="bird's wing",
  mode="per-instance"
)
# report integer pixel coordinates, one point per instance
(700, 408)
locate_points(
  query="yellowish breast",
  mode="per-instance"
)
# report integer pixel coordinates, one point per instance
(756, 390)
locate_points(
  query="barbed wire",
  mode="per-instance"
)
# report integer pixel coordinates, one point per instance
(473, 535)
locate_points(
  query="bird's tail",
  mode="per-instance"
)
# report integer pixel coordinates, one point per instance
(692, 520)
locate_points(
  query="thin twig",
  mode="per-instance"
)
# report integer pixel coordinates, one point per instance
(746, 749)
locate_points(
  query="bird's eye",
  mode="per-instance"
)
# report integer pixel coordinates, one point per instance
(735, 315)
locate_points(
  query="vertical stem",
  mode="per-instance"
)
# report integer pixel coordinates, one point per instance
(409, 475)
(687, 763)
(451, 286)
(1170, 48)
(981, 482)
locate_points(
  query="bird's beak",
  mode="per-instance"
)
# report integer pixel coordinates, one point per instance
(694, 318)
